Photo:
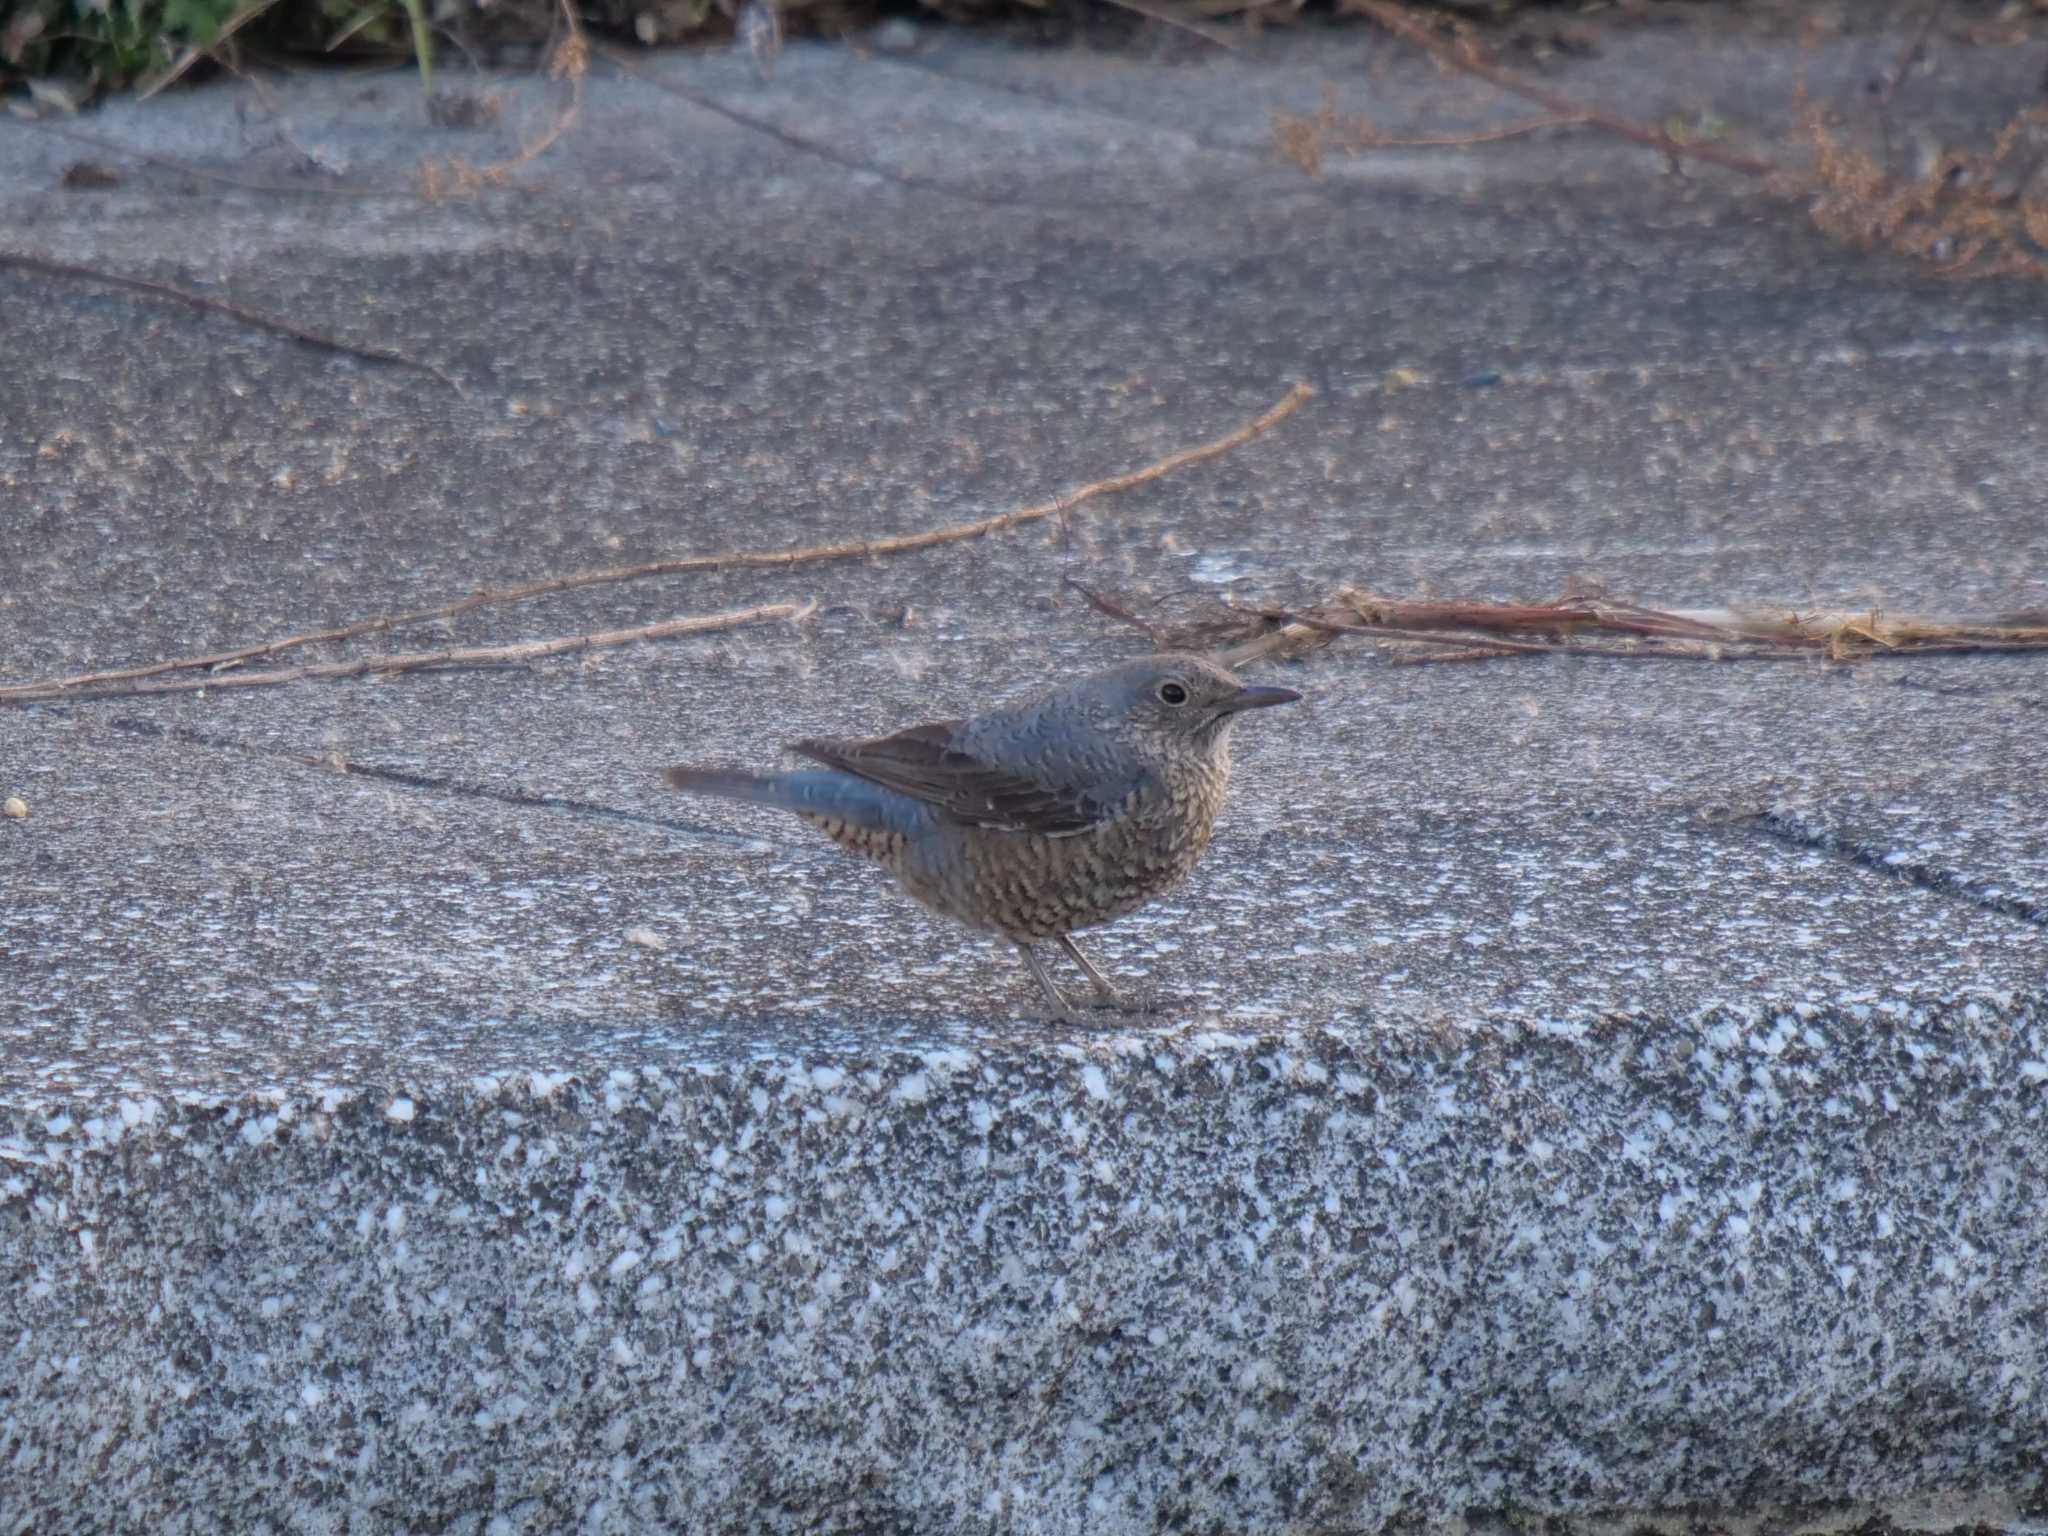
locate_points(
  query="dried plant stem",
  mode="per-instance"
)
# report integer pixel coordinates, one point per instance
(814, 554)
(1478, 136)
(1103, 603)
(1308, 140)
(222, 307)
(1473, 631)
(1402, 23)
(1968, 215)
(1898, 72)
(1167, 17)
(420, 661)
(1465, 648)
(568, 60)
(189, 56)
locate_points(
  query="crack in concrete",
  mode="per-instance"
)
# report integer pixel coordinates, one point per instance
(1786, 827)
(1972, 691)
(1779, 825)
(336, 762)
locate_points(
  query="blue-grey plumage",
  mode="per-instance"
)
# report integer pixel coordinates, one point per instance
(1031, 822)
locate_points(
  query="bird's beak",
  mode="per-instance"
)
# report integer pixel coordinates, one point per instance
(1256, 698)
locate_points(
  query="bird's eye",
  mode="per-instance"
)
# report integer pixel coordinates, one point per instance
(1172, 693)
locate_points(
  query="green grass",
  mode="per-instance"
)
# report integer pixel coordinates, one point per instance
(108, 45)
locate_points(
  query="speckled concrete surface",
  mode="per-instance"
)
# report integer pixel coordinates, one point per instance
(1568, 1089)
(1201, 1280)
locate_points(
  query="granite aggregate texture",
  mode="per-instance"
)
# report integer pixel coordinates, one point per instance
(981, 1288)
(1589, 1091)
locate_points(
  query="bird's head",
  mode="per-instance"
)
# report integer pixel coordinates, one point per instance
(1176, 698)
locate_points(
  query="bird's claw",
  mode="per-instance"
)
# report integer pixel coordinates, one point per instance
(1115, 1005)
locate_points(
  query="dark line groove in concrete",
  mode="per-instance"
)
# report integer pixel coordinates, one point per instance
(1786, 828)
(130, 726)
(911, 181)
(1974, 691)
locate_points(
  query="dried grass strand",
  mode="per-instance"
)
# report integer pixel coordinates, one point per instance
(567, 60)
(1470, 631)
(423, 661)
(812, 554)
(1404, 24)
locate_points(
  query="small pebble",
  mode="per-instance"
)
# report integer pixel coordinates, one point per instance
(14, 806)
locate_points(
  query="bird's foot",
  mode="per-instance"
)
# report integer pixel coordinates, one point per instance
(1116, 1003)
(1106, 998)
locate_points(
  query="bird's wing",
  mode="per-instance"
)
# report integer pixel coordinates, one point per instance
(924, 763)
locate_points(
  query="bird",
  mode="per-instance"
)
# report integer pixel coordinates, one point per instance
(1031, 822)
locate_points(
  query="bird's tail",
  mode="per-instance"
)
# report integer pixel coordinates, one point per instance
(812, 791)
(727, 784)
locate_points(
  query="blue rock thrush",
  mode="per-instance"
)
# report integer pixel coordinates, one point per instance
(1031, 822)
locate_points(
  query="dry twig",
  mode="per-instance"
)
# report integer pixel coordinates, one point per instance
(568, 60)
(417, 661)
(1907, 59)
(814, 554)
(1472, 631)
(1468, 58)
(1111, 607)
(233, 311)
(1168, 17)
(190, 56)
(1306, 140)
(1970, 214)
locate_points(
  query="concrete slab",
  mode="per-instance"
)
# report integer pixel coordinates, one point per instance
(1569, 1088)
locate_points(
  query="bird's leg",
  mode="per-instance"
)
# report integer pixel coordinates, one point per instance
(1053, 995)
(1106, 996)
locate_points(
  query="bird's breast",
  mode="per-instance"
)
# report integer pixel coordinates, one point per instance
(1032, 886)
(1035, 887)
